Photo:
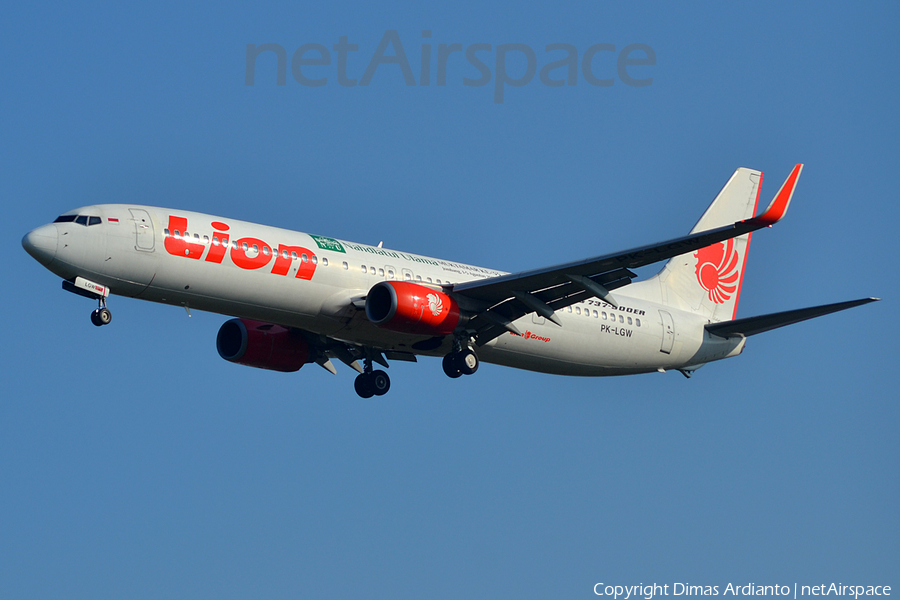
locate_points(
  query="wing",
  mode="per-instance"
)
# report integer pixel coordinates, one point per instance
(499, 301)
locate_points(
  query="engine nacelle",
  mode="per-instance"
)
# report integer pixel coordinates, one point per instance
(412, 308)
(262, 345)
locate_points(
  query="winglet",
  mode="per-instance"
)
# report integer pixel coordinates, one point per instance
(777, 209)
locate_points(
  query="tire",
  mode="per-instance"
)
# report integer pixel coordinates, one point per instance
(363, 386)
(380, 382)
(104, 316)
(95, 317)
(467, 362)
(451, 368)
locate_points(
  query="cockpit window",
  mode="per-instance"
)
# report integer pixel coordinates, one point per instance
(85, 220)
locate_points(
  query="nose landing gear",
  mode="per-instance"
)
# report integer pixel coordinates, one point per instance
(101, 316)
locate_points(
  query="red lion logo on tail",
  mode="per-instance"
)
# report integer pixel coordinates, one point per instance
(717, 270)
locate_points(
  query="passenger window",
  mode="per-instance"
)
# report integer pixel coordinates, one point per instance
(246, 247)
(629, 320)
(390, 274)
(345, 265)
(94, 221)
(167, 232)
(621, 319)
(304, 257)
(364, 269)
(324, 262)
(429, 280)
(234, 244)
(577, 310)
(197, 237)
(638, 322)
(612, 317)
(177, 234)
(408, 276)
(381, 272)
(293, 256)
(603, 315)
(569, 308)
(437, 280)
(315, 260)
(418, 278)
(595, 314)
(81, 220)
(266, 250)
(206, 240)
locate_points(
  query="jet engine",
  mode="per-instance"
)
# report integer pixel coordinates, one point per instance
(262, 345)
(412, 308)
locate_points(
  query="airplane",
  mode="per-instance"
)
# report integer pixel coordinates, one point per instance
(298, 298)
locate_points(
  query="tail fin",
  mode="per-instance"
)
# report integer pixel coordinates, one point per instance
(708, 281)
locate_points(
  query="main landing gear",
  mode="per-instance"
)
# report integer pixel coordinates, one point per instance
(101, 316)
(371, 383)
(460, 362)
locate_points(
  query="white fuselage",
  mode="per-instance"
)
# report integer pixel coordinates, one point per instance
(311, 282)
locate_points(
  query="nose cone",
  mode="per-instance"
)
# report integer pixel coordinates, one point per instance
(41, 243)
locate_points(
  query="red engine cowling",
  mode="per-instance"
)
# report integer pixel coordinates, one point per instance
(262, 345)
(412, 308)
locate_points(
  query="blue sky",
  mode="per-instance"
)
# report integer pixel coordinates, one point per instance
(136, 463)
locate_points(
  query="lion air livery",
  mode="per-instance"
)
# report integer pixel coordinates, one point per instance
(297, 298)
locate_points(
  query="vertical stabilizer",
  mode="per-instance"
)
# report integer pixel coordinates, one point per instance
(708, 281)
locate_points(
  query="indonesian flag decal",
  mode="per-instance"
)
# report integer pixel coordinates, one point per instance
(717, 270)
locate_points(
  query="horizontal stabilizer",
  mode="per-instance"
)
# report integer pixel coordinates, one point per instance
(753, 325)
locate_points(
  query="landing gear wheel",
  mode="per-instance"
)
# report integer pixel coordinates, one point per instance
(451, 367)
(376, 383)
(363, 385)
(379, 382)
(101, 316)
(467, 361)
